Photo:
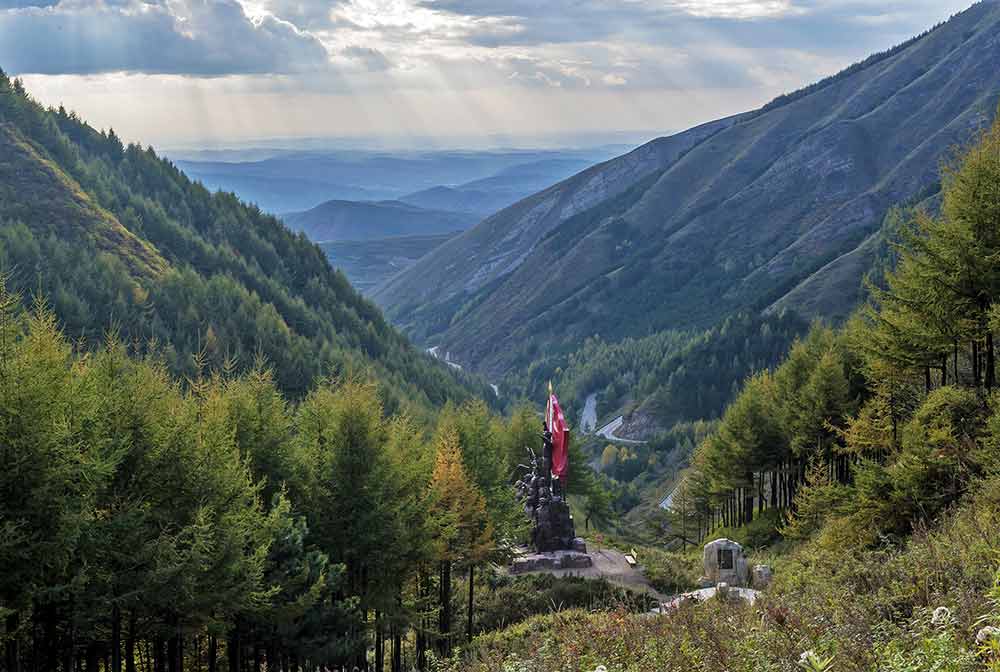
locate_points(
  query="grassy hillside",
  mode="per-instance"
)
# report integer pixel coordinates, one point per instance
(115, 237)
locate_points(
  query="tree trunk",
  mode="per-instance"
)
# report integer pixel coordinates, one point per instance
(955, 359)
(92, 664)
(12, 655)
(116, 639)
(761, 501)
(421, 643)
(71, 641)
(975, 364)
(397, 649)
(173, 654)
(990, 362)
(472, 583)
(159, 663)
(379, 644)
(444, 614)
(130, 645)
(234, 650)
(683, 529)
(49, 643)
(213, 653)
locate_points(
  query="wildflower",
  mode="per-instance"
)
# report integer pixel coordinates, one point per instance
(941, 616)
(987, 634)
(807, 656)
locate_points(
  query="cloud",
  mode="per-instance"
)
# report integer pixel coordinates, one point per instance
(373, 59)
(734, 9)
(819, 25)
(195, 37)
(304, 14)
(499, 64)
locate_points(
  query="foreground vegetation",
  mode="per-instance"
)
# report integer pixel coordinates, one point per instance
(866, 468)
(150, 523)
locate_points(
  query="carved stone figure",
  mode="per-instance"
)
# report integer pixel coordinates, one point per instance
(545, 502)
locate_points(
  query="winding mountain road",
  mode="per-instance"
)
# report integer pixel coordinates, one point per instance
(608, 432)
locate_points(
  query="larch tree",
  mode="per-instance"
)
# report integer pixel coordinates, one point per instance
(462, 532)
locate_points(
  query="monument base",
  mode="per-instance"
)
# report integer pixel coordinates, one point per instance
(537, 562)
(554, 530)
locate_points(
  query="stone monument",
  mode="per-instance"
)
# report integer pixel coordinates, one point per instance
(545, 502)
(554, 544)
(725, 562)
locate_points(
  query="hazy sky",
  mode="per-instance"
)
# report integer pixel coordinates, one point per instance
(189, 72)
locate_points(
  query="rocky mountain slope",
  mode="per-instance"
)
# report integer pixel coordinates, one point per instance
(767, 210)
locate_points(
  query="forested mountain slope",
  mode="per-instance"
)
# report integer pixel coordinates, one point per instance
(728, 216)
(113, 236)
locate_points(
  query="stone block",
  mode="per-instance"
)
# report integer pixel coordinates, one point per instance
(762, 576)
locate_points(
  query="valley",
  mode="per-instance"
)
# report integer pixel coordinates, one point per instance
(330, 391)
(369, 263)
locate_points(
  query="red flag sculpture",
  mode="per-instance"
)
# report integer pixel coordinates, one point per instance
(556, 424)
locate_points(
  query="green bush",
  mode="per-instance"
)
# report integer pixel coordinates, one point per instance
(671, 573)
(506, 600)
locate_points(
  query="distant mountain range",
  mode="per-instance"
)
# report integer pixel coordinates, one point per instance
(774, 209)
(422, 218)
(357, 221)
(490, 194)
(290, 181)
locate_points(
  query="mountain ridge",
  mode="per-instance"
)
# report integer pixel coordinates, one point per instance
(343, 220)
(761, 201)
(114, 238)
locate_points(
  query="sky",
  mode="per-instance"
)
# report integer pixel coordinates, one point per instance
(207, 73)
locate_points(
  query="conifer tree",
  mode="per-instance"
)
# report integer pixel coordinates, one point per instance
(462, 533)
